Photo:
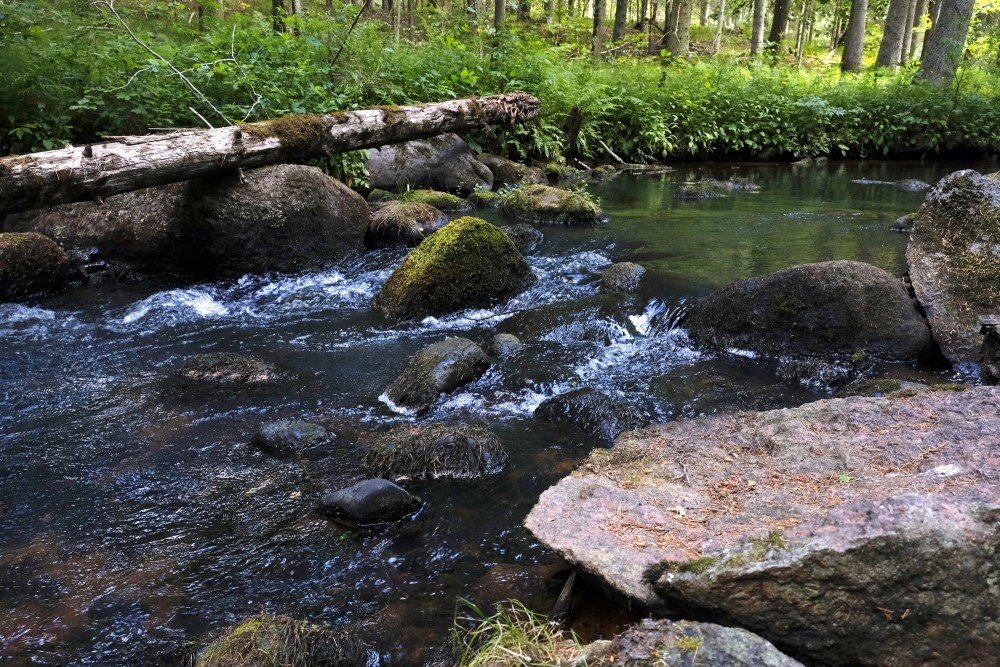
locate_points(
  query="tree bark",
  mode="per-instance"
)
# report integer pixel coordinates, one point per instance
(621, 18)
(945, 43)
(904, 53)
(720, 23)
(499, 8)
(600, 9)
(96, 171)
(917, 45)
(854, 38)
(757, 35)
(677, 39)
(892, 35)
(779, 21)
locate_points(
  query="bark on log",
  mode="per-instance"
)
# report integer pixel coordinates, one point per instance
(95, 171)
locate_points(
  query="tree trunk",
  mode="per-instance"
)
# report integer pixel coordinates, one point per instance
(892, 35)
(904, 53)
(703, 17)
(677, 40)
(854, 38)
(621, 18)
(779, 22)
(654, 41)
(499, 8)
(640, 22)
(946, 42)
(132, 163)
(800, 33)
(719, 25)
(600, 9)
(524, 10)
(278, 15)
(917, 45)
(757, 36)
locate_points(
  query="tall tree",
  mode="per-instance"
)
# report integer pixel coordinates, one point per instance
(946, 42)
(720, 23)
(904, 53)
(600, 10)
(917, 45)
(854, 38)
(757, 33)
(892, 35)
(779, 21)
(621, 17)
(498, 11)
(677, 39)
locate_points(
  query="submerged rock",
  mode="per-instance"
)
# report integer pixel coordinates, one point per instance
(653, 643)
(622, 278)
(403, 223)
(438, 369)
(954, 260)
(732, 185)
(548, 205)
(267, 640)
(699, 191)
(30, 264)
(912, 185)
(793, 525)
(468, 263)
(435, 450)
(230, 369)
(526, 238)
(288, 436)
(813, 310)
(594, 412)
(279, 218)
(369, 501)
(444, 162)
(509, 173)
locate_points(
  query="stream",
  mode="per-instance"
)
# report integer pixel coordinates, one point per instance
(136, 520)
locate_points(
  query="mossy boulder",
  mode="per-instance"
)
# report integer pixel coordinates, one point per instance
(443, 201)
(621, 278)
(31, 263)
(369, 501)
(444, 162)
(468, 263)
(525, 237)
(403, 223)
(594, 412)
(509, 173)
(279, 218)
(699, 191)
(484, 199)
(267, 640)
(288, 436)
(548, 205)
(954, 260)
(438, 369)
(229, 369)
(813, 310)
(434, 451)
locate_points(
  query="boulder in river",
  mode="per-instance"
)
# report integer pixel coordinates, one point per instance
(509, 173)
(229, 369)
(813, 310)
(369, 501)
(438, 369)
(845, 531)
(278, 218)
(525, 237)
(288, 436)
(621, 278)
(443, 201)
(434, 451)
(468, 263)
(504, 345)
(444, 162)
(954, 259)
(654, 643)
(548, 205)
(31, 263)
(266, 640)
(403, 223)
(593, 411)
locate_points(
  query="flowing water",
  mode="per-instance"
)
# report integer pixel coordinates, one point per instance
(136, 520)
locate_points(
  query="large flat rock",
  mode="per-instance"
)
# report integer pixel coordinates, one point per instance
(846, 531)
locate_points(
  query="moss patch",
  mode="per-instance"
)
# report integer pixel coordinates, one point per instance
(279, 641)
(298, 133)
(484, 199)
(545, 204)
(31, 263)
(439, 200)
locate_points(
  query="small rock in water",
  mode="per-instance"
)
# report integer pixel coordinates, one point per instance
(369, 501)
(696, 192)
(912, 185)
(228, 368)
(288, 436)
(526, 238)
(903, 223)
(437, 369)
(594, 412)
(435, 450)
(622, 278)
(504, 345)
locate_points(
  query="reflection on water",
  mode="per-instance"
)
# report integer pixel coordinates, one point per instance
(135, 518)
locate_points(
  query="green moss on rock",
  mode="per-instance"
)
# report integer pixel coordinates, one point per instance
(439, 200)
(468, 263)
(484, 199)
(279, 641)
(548, 205)
(31, 263)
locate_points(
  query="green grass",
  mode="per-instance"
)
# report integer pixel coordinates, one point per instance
(512, 636)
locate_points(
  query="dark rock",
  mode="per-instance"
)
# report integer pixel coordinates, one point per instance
(30, 264)
(622, 278)
(509, 173)
(504, 345)
(403, 223)
(596, 413)
(655, 643)
(816, 373)
(954, 260)
(989, 353)
(227, 368)
(696, 192)
(793, 525)
(468, 263)
(434, 451)
(526, 238)
(903, 223)
(443, 163)
(369, 501)
(283, 218)
(438, 369)
(548, 205)
(912, 185)
(288, 436)
(442, 201)
(266, 640)
(731, 185)
(813, 310)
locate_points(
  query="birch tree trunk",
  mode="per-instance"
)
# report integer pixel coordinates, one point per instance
(757, 35)
(719, 25)
(132, 163)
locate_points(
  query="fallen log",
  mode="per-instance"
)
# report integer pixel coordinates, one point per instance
(99, 170)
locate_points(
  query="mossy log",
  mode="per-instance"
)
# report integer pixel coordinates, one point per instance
(131, 163)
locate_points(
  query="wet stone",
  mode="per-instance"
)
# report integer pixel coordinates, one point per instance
(594, 412)
(525, 237)
(369, 501)
(434, 451)
(288, 436)
(230, 369)
(621, 278)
